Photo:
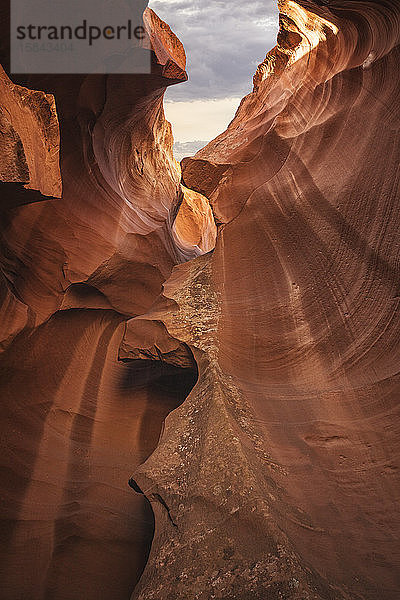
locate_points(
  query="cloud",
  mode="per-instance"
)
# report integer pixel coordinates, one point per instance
(182, 149)
(200, 119)
(224, 43)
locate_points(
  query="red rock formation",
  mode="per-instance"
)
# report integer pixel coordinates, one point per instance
(278, 475)
(282, 474)
(89, 249)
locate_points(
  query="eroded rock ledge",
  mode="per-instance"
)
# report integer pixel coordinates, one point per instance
(277, 476)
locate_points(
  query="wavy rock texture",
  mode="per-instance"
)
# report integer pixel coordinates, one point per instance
(280, 470)
(86, 245)
(277, 477)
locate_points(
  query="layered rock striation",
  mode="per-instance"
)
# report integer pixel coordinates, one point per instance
(276, 476)
(91, 201)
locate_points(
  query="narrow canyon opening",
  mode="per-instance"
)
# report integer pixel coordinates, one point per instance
(270, 468)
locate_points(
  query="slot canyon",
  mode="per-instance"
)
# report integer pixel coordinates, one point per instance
(200, 361)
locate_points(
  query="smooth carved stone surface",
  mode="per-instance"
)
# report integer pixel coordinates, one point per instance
(194, 224)
(86, 248)
(277, 475)
(112, 230)
(280, 471)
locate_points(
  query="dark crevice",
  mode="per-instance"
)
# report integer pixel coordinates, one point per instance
(165, 505)
(172, 382)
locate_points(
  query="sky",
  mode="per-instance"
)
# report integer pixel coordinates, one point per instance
(224, 41)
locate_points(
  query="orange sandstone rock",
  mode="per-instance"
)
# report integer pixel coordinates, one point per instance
(276, 474)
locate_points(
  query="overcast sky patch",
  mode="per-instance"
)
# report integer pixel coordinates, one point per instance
(224, 43)
(200, 119)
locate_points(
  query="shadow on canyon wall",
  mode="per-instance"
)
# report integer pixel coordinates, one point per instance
(79, 421)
